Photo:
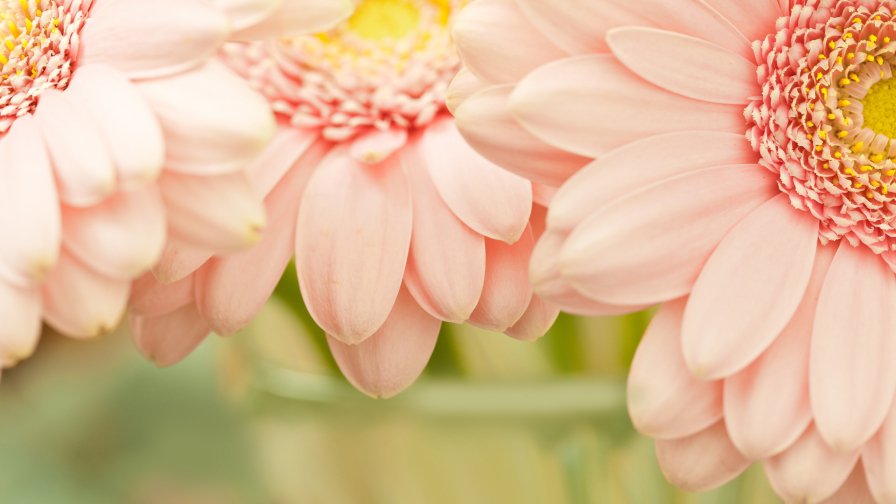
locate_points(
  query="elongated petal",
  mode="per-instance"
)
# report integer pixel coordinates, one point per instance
(855, 490)
(700, 462)
(169, 338)
(809, 471)
(179, 260)
(464, 85)
(81, 303)
(538, 319)
(352, 242)
(124, 119)
(151, 298)
(753, 19)
(30, 216)
(375, 146)
(507, 292)
(152, 39)
(293, 17)
(20, 311)
(777, 381)
(122, 237)
(852, 379)
(446, 267)
(664, 399)
(212, 121)
(390, 360)
(879, 457)
(243, 13)
(682, 219)
(489, 199)
(583, 105)
(286, 149)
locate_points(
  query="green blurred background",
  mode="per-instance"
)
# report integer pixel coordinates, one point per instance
(263, 417)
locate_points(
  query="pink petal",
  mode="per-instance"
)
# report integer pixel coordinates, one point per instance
(809, 471)
(212, 121)
(20, 311)
(700, 462)
(446, 267)
(243, 13)
(671, 60)
(507, 292)
(389, 361)
(375, 146)
(294, 17)
(464, 85)
(286, 149)
(652, 244)
(749, 289)
(354, 232)
(583, 105)
(125, 121)
(492, 201)
(755, 19)
(152, 39)
(179, 260)
(122, 237)
(664, 400)
(485, 122)
(879, 456)
(84, 170)
(538, 319)
(221, 213)
(81, 303)
(654, 159)
(31, 246)
(852, 378)
(231, 290)
(855, 490)
(151, 298)
(777, 381)
(170, 338)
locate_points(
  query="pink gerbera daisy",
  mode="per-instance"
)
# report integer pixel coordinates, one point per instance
(117, 128)
(772, 253)
(396, 224)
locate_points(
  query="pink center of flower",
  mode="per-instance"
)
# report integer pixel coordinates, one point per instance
(825, 121)
(388, 66)
(39, 51)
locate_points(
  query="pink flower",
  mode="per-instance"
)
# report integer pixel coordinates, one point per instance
(396, 224)
(772, 254)
(116, 131)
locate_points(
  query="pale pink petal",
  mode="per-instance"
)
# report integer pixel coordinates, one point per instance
(464, 85)
(855, 490)
(583, 105)
(700, 462)
(650, 246)
(354, 232)
(489, 199)
(629, 168)
(81, 303)
(122, 237)
(879, 456)
(179, 260)
(755, 19)
(81, 160)
(222, 213)
(498, 43)
(777, 381)
(485, 122)
(29, 206)
(152, 39)
(446, 266)
(231, 290)
(507, 291)
(212, 120)
(151, 298)
(282, 154)
(244, 13)
(169, 338)
(293, 17)
(390, 360)
(20, 311)
(375, 146)
(852, 377)
(672, 60)
(767, 259)
(124, 119)
(538, 319)
(664, 399)
(809, 471)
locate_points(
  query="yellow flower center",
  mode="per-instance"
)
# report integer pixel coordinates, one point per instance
(382, 19)
(880, 108)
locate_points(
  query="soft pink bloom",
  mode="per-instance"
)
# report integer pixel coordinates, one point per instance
(396, 224)
(117, 130)
(772, 253)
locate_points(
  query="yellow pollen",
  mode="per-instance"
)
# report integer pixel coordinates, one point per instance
(880, 108)
(385, 19)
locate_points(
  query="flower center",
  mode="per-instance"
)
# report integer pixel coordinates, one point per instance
(880, 108)
(38, 51)
(388, 66)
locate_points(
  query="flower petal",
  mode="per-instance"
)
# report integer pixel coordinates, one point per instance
(294, 17)
(507, 292)
(151, 298)
(879, 457)
(179, 260)
(538, 319)
(169, 338)
(20, 311)
(700, 462)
